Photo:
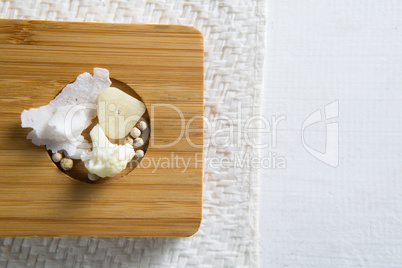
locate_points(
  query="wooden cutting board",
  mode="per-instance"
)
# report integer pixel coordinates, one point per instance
(164, 65)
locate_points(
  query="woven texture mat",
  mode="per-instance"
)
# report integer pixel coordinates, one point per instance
(234, 45)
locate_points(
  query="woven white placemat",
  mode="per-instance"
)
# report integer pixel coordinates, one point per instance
(234, 48)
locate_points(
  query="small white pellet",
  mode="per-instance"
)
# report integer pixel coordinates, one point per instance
(138, 142)
(128, 140)
(56, 157)
(139, 154)
(135, 133)
(66, 164)
(92, 177)
(142, 125)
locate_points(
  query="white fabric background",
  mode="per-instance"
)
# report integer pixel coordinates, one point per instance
(314, 215)
(234, 42)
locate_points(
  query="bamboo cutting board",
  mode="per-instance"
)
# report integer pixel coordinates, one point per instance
(164, 65)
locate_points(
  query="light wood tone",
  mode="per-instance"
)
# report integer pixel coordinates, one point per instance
(164, 65)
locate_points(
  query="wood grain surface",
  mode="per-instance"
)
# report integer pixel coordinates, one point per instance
(164, 65)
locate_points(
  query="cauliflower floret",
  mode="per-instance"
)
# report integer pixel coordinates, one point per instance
(106, 159)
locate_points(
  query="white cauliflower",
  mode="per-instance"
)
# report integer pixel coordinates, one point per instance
(106, 159)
